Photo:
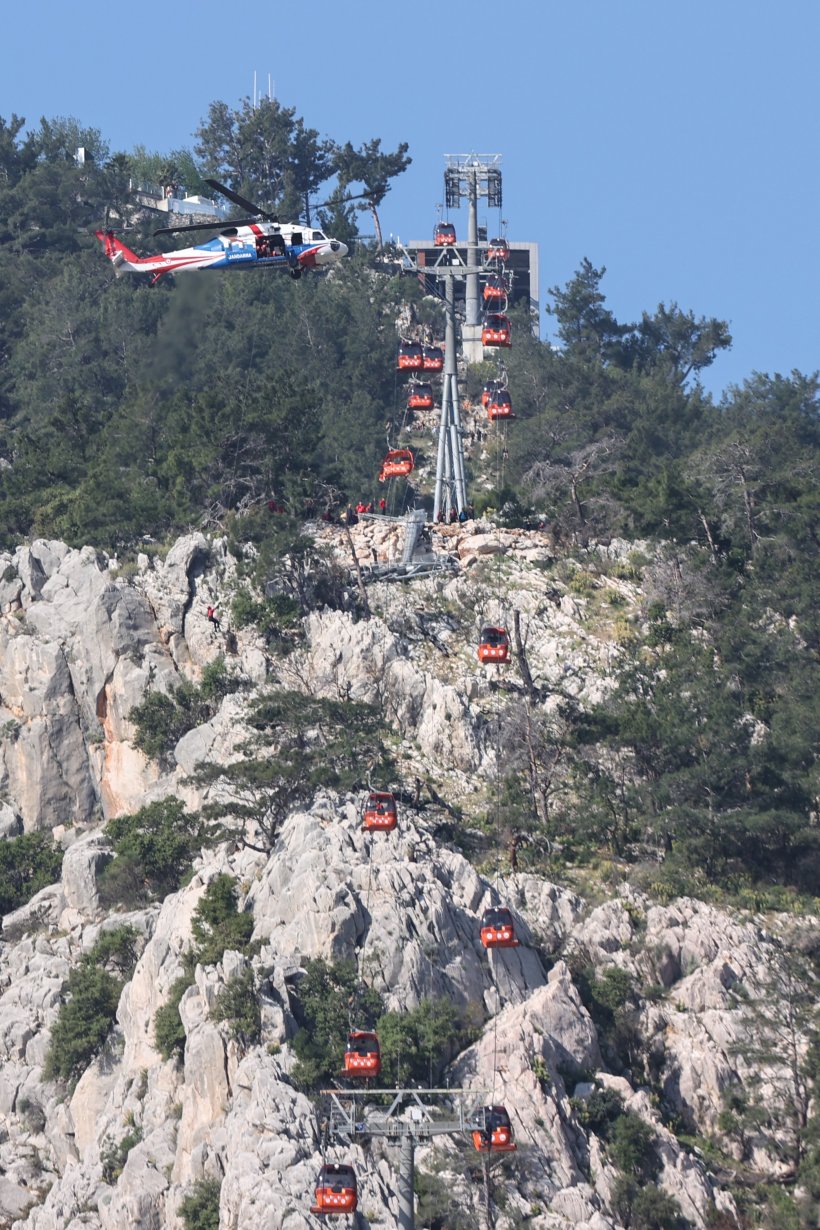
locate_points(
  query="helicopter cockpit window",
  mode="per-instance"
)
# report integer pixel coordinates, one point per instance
(296, 237)
(318, 235)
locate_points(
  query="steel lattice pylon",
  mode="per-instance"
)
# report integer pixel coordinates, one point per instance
(467, 176)
(355, 1121)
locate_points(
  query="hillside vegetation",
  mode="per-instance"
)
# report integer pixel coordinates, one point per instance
(132, 413)
(641, 774)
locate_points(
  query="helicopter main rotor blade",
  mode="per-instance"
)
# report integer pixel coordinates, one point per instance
(203, 226)
(241, 201)
(340, 200)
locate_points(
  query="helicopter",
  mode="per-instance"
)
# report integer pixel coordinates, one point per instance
(260, 240)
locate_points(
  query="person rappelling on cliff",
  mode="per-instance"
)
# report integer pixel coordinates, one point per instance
(212, 617)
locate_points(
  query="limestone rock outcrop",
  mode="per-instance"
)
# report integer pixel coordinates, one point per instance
(81, 642)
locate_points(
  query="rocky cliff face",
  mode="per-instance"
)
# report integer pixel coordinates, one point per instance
(79, 647)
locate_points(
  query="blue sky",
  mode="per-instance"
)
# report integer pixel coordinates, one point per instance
(675, 144)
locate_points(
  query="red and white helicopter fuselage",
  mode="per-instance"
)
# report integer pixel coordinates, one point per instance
(289, 246)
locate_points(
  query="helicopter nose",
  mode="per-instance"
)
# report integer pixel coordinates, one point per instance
(339, 248)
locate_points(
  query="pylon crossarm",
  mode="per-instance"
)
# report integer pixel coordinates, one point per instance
(354, 1120)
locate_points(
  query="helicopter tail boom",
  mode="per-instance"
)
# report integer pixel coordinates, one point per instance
(120, 256)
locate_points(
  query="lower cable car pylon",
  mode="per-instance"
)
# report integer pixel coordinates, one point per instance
(336, 1190)
(496, 1134)
(362, 1055)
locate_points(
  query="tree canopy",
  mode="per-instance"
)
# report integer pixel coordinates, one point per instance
(129, 410)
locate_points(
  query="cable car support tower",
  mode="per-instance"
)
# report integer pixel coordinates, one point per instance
(466, 177)
(407, 1121)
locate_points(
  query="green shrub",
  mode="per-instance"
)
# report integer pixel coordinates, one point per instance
(116, 951)
(162, 719)
(646, 1208)
(272, 616)
(416, 1046)
(113, 1156)
(27, 864)
(93, 992)
(324, 1000)
(438, 1205)
(238, 1006)
(169, 1034)
(610, 1001)
(218, 924)
(599, 1111)
(32, 1115)
(155, 848)
(199, 1210)
(84, 1022)
(632, 1148)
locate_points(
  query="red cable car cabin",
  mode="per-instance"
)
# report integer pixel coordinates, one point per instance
(420, 396)
(488, 392)
(380, 814)
(497, 928)
(495, 289)
(495, 330)
(493, 645)
(362, 1054)
(336, 1190)
(398, 463)
(411, 357)
(498, 250)
(444, 236)
(496, 1134)
(433, 359)
(499, 405)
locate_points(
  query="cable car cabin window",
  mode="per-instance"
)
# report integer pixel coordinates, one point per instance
(493, 636)
(363, 1044)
